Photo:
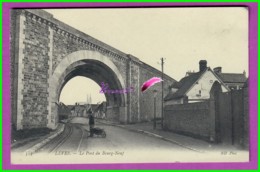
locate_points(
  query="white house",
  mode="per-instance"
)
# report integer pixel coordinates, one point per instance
(194, 87)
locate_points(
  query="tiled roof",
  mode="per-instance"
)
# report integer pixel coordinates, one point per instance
(232, 77)
(184, 85)
(175, 85)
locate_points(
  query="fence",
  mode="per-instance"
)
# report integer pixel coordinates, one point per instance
(232, 117)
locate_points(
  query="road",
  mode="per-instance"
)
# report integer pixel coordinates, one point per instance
(120, 145)
(75, 139)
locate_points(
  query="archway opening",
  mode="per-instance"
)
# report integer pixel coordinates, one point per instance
(78, 97)
(99, 69)
(81, 90)
(85, 94)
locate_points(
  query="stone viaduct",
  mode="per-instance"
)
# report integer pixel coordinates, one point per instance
(46, 53)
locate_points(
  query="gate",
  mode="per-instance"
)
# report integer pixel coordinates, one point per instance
(230, 123)
(224, 114)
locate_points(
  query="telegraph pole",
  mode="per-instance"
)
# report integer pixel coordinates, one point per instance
(162, 63)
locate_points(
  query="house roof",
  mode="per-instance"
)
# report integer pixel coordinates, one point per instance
(246, 83)
(99, 106)
(232, 77)
(187, 82)
(175, 85)
(184, 85)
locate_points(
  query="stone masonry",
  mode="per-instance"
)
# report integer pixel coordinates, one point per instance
(45, 51)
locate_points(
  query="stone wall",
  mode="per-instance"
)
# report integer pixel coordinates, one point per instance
(222, 119)
(147, 97)
(65, 44)
(13, 67)
(134, 96)
(111, 114)
(39, 44)
(194, 119)
(35, 73)
(29, 70)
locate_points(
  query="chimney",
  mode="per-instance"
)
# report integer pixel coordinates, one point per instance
(217, 69)
(203, 65)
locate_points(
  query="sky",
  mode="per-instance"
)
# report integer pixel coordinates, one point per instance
(183, 36)
(80, 89)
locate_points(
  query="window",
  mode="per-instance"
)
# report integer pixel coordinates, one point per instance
(199, 95)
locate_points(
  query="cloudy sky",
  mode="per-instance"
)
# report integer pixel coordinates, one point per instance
(181, 35)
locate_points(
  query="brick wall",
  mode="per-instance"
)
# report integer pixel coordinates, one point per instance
(192, 119)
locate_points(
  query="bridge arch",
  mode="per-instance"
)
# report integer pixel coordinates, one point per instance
(93, 65)
(37, 41)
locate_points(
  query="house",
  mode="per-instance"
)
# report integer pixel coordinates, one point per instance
(100, 110)
(64, 111)
(82, 109)
(194, 87)
(72, 110)
(234, 81)
(79, 109)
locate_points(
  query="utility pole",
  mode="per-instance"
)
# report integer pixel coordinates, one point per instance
(162, 63)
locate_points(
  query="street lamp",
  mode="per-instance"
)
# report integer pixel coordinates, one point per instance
(154, 117)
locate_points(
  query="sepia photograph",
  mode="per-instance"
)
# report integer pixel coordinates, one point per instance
(128, 85)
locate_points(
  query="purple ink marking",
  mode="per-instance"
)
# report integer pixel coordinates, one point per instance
(105, 89)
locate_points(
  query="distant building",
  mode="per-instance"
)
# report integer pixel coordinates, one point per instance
(78, 110)
(64, 111)
(100, 110)
(82, 109)
(194, 87)
(234, 81)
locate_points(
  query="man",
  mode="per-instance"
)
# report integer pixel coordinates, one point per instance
(91, 123)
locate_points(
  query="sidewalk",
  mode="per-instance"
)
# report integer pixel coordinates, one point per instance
(32, 144)
(181, 140)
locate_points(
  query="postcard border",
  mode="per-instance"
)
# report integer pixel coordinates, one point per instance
(252, 164)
